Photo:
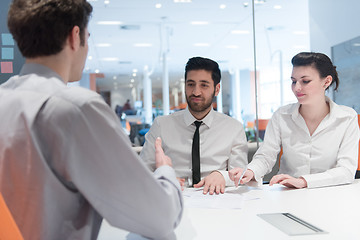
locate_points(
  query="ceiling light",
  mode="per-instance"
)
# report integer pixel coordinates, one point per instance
(222, 6)
(240, 32)
(106, 2)
(132, 80)
(109, 23)
(158, 5)
(199, 22)
(232, 46)
(97, 70)
(114, 77)
(135, 70)
(142, 45)
(277, 7)
(134, 74)
(182, 1)
(356, 44)
(90, 57)
(103, 45)
(259, 1)
(201, 44)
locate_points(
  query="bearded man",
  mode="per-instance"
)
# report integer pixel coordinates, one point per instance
(221, 141)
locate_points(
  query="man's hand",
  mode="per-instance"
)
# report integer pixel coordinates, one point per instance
(288, 181)
(182, 182)
(160, 157)
(236, 173)
(215, 182)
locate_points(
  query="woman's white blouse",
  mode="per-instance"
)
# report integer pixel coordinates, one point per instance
(327, 157)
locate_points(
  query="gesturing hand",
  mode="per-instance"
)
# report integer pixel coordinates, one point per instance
(160, 157)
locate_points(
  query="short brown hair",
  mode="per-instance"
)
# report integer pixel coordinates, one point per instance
(40, 27)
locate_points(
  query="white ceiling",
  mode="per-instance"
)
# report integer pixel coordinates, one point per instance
(169, 29)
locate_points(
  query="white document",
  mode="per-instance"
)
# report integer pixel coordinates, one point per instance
(232, 198)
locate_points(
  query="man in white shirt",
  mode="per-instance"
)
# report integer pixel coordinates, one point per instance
(223, 144)
(65, 162)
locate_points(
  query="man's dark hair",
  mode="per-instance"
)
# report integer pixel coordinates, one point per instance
(200, 63)
(40, 27)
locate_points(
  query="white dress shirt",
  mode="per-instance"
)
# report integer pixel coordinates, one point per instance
(327, 157)
(223, 144)
(65, 163)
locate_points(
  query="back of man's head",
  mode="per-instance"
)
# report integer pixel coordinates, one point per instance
(200, 63)
(41, 27)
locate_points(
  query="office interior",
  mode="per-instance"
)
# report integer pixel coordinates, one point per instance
(138, 51)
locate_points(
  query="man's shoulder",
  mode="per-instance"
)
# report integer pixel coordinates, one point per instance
(77, 95)
(176, 116)
(226, 118)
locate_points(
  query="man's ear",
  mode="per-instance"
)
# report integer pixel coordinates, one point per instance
(74, 38)
(217, 89)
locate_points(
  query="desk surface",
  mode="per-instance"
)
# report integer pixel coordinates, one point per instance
(335, 210)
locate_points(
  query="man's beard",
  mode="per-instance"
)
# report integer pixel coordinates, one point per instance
(199, 107)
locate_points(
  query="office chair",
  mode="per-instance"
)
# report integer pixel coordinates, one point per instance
(8, 227)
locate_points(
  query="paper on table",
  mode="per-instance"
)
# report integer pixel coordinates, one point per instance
(231, 199)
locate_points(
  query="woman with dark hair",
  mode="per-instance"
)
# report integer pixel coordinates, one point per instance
(319, 138)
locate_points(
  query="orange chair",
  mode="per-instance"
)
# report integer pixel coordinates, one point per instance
(8, 227)
(358, 169)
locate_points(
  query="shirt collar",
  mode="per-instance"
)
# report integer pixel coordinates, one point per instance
(335, 110)
(190, 119)
(39, 69)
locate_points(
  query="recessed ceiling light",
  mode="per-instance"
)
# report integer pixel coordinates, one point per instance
(240, 32)
(158, 5)
(106, 2)
(232, 46)
(259, 1)
(182, 1)
(103, 45)
(222, 6)
(199, 22)
(135, 70)
(201, 44)
(134, 74)
(277, 7)
(90, 57)
(132, 80)
(142, 45)
(109, 23)
(114, 77)
(97, 70)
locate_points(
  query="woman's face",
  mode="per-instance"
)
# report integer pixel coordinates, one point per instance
(307, 85)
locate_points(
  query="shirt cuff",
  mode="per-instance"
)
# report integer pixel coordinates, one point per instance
(228, 182)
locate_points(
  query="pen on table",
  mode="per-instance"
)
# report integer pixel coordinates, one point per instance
(242, 175)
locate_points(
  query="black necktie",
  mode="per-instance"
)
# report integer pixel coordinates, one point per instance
(196, 155)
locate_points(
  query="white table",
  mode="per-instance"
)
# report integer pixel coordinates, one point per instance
(335, 210)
